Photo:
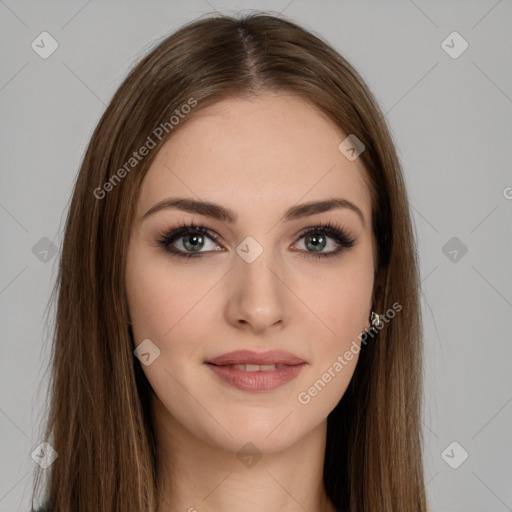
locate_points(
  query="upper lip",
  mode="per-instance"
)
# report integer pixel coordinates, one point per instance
(260, 358)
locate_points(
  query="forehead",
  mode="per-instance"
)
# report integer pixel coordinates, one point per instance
(272, 151)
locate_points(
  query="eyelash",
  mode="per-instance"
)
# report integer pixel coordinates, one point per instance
(337, 233)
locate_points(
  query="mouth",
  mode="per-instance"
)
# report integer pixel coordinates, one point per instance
(256, 372)
(248, 357)
(255, 367)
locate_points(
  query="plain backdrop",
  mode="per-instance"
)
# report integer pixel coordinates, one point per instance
(449, 108)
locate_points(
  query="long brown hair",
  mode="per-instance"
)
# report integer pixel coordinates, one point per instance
(98, 418)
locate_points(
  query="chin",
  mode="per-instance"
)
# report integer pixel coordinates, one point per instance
(270, 432)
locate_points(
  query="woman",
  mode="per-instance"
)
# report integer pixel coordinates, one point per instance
(238, 321)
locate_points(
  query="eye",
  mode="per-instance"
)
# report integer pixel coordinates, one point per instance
(191, 238)
(317, 238)
(187, 240)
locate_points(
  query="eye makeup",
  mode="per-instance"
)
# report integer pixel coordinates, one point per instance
(197, 233)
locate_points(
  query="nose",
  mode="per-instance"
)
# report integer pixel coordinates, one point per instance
(257, 298)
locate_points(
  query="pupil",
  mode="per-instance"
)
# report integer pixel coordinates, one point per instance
(195, 238)
(317, 246)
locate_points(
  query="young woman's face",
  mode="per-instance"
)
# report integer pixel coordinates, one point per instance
(254, 282)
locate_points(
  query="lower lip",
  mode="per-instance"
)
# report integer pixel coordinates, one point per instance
(257, 381)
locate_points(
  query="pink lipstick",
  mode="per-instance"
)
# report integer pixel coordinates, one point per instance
(256, 371)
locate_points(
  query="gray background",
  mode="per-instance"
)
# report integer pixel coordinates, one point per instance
(451, 119)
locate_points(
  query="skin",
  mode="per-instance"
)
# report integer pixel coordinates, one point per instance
(258, 157)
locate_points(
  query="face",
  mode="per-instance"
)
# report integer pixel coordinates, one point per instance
(261, 281)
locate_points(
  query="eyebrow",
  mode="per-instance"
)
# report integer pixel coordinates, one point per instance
(221, 213)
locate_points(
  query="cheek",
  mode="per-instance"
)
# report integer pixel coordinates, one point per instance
(342, 302)
(341, 309)
(158, 295)
(337, 346)
(147, 292)
(170, 307)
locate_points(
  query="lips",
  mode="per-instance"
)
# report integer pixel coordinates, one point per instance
(247, 357)
(253, 371)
